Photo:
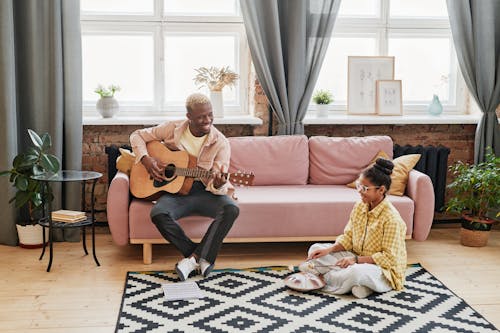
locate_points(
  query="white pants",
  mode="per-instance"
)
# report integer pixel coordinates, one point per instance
(341, 280)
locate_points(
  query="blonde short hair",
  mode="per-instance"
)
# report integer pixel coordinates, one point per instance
(195, 99)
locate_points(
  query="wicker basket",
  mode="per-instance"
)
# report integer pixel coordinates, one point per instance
(474, 238)
(31, 236)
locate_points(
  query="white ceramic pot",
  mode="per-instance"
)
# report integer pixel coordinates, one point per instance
(31, 236)
(217, 103)
(322, 110)
(107, 106)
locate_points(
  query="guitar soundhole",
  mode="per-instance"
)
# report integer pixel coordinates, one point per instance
(170, 171)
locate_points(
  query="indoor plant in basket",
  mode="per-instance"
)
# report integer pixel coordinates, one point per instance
(30, 196)
(215, 79)
(322, 98)
(475, 192)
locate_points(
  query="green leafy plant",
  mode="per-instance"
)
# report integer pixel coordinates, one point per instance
(475, 191)
(107, 92)
(215, 78)
(322, 97)
(35, 161)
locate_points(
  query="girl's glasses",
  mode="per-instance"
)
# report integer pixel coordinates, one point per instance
(363, 188)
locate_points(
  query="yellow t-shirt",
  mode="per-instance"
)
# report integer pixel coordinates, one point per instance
(379, 233)
(192, 144)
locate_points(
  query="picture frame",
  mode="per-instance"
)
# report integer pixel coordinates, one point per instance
(389, 100)
(362, 74)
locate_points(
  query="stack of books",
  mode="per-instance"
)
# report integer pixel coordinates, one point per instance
(69, 216)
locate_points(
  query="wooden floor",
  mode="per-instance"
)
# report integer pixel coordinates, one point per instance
(78, 296)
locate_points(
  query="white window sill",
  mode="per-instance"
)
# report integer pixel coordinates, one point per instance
(127, 120)
(346, 119)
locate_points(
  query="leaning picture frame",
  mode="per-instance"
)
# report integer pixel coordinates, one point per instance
(362, 75)
(389, 100)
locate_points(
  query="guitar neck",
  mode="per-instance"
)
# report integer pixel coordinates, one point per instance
(194, 173)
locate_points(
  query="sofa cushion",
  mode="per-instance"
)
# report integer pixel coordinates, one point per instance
(277, 211)
(275, 160)
(338, 160)
(402, 167)
(399, 177)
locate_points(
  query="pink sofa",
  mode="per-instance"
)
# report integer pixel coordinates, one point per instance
(299, 193)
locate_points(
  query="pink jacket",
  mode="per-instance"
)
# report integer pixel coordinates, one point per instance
(214, 155)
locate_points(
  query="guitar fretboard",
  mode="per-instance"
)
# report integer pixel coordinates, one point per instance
(194, 173)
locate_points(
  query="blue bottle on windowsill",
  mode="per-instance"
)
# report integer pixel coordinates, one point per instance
(435, 108)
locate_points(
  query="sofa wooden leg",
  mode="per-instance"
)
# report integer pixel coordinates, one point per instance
(147, 253)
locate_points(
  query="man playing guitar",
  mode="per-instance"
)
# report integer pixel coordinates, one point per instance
(207, 197)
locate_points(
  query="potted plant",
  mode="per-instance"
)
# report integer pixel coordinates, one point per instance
(322, 98)
(475, 193)
(107, 105)
(30, 196)
(215, 79)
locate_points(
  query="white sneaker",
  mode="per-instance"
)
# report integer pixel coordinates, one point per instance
(205, 267)
(185, 267)
(361, 291)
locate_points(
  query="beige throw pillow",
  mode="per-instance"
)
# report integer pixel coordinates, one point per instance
(402, 167)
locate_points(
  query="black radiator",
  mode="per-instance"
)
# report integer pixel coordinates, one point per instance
(434, 163)
(113, 153)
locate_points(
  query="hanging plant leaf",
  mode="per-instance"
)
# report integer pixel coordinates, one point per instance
(50, 163)
(46, 141)
(35, 138)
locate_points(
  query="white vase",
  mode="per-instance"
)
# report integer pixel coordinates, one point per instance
(322, 110)
(217, 103)
(107, 106)
(31, 236)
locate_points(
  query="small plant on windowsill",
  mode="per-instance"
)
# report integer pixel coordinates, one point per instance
(475, 193)
(215, 79)
(107, 105)
(322, 98)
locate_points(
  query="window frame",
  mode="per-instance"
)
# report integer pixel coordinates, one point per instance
(383, 27)
(106, 23)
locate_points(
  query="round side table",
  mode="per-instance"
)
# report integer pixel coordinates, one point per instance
(46, 222)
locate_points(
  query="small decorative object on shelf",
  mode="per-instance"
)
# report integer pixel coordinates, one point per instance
(435, 108)
(107, 105)
(215, 79)
(323, 98)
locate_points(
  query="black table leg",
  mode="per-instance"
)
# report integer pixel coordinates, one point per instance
(93, 223)
(84, 241)
(50, 245)
(44, 243)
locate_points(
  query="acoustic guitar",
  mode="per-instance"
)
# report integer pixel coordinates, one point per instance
(180, 172)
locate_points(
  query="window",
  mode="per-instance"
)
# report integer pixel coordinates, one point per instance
(415, 32)
(150, 48)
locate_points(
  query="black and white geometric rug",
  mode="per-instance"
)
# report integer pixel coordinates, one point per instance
(256, 300)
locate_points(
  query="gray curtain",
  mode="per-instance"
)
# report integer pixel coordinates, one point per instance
(475, 25)
(40, 88)
(288, 40)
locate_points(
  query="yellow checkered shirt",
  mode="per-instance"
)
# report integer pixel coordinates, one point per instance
(379, 233)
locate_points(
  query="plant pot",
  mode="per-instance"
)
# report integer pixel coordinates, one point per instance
(107, 106)
(217, 103)
(322, 110)
(475, 232)
(31, 236)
